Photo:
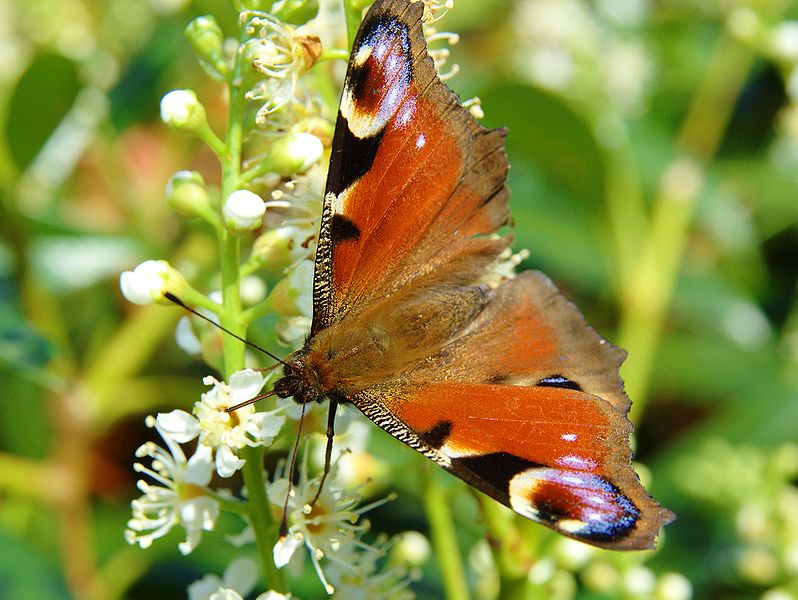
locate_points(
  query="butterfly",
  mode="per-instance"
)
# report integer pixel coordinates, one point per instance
(504, 384)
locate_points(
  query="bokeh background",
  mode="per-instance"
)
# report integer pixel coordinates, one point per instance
(654, 151)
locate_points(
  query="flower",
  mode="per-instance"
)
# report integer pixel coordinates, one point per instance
(180, 498)
(274, 51)
(327, 529)
(238, 580)
(236, 583)
(182, 110)
(224, 432)
(149, 281)
(243, 211)
(361, 577)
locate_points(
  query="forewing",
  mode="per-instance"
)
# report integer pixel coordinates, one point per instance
(413, 177)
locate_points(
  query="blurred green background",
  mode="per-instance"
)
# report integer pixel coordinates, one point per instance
(654, 151)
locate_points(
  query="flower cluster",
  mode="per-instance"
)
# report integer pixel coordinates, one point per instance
(756, 491)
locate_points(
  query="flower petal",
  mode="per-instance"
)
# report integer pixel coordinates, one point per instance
(227, 463)
(179, 425)
(202, 589)
(199, 468)
(284, 549)
(241, 574)
(245, 384)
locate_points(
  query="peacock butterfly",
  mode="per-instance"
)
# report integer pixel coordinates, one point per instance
(504, 385)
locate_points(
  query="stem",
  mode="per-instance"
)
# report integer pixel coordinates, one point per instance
(334, 54)
(258, 509)
(260, 517)
(444, 537)
(648, 290)
(207, 135)
(353, 14)
(229, 244)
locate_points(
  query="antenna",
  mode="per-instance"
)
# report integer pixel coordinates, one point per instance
(179, 302)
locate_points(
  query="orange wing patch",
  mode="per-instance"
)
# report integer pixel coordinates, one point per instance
(554, 455)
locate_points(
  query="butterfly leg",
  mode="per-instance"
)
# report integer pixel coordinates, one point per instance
(328, 448)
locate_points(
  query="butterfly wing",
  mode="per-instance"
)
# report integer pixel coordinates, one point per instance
(413, 177)
(525, 402)
(527, 407)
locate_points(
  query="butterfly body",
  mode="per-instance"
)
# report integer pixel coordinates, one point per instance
(497, 379)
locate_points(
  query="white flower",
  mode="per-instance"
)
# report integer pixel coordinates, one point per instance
(224, 432)
(275, 52)
(147, 282)
(238, 581)
(182, 110)
(243, 211)
(360, 577)
(179, 498)
(328, 529)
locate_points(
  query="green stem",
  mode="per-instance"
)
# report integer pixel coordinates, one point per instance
(261, 309)
(229, 243)
(353, 14)
(207, 135)
(258, 509)
(444, 537)
(649, 287)
(260, 517)
(232, 505)
(334, 54)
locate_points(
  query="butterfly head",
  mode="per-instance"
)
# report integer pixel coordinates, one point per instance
(298, 381)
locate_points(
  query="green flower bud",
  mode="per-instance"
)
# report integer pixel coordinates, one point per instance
(182, 110)
(186, 193)
(296, 12)
(279, 248)
(207, 40)
(293, 154)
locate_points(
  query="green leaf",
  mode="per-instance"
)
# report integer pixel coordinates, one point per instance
(43, 96)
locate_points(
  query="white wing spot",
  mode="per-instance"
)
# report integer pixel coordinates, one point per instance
(569, 437)
(421, 141)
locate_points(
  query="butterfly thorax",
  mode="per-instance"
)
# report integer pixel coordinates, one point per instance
(363, 350)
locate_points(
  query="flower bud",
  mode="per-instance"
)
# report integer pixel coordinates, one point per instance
(205, 37)
(412, 549)
(279, 248)
(296, 12)
(186, 193)
(293, 295)
(294, 154)
(243, 211)
(673, 586)
(182, 110)
(149, 281)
